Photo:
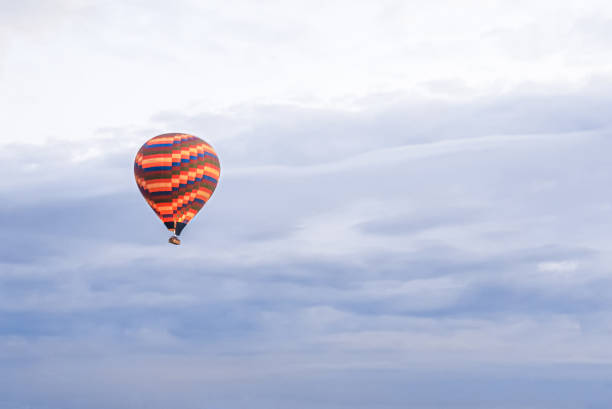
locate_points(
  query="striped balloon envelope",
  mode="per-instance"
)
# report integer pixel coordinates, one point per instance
(176, 173)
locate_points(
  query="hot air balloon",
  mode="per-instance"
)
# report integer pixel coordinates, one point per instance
(176, 173)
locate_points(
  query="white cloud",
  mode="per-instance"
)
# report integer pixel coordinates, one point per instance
(87, 65)
(558, 266)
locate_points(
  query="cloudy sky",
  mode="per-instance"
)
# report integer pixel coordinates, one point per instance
(414, 208)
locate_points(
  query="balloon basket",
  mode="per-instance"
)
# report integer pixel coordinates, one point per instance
(174, 240)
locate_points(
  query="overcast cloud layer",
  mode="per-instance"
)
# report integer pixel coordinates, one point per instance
(414, 206)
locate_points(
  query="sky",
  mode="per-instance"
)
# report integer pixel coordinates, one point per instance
(413, 211)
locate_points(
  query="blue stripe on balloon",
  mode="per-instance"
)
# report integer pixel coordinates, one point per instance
(156, 168)
(159, 145)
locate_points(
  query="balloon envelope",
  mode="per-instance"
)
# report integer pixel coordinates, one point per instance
(176, 173)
